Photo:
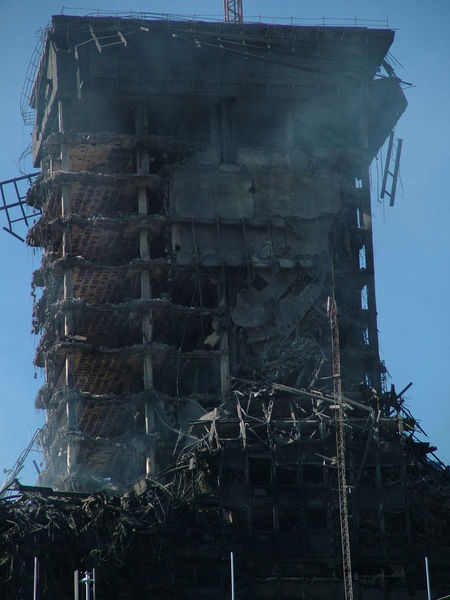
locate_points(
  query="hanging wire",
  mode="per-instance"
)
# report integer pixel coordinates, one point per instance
(392, 57)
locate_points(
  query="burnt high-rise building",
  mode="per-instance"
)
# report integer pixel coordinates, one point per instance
(204, 191)
(203, 188)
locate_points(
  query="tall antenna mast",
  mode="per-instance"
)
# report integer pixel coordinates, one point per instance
(340, 449)
(233, 11)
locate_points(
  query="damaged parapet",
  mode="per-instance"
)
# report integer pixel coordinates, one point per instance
(203, 188)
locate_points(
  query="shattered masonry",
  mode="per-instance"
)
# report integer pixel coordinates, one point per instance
(204, 188)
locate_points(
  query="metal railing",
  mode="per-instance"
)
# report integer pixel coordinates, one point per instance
(249, 19)
(13, 202)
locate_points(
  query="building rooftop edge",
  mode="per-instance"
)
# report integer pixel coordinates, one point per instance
(288, 23)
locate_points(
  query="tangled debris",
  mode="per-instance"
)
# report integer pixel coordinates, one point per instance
(241, 487)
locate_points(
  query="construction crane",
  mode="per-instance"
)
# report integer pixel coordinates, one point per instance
(233, 11)
(340, 449)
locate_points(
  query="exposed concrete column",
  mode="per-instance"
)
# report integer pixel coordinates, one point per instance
(373, 370)
(66, 251)
(366, 226)
(60, 117)
(64, 148)
(363, 116)
(69, 376)
(225, 385)
(143, 168)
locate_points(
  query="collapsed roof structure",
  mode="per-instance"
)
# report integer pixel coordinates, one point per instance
(204, 190)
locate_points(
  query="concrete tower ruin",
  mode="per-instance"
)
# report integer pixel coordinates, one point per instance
(204, 189)
(200, 185)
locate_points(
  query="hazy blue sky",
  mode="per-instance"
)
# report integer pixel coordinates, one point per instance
(411, 239)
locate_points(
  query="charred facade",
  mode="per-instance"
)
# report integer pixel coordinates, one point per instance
(204, 189)
(200, 188)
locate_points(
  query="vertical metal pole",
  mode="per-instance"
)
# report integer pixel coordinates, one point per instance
(76, 585)
(35, 578)
(94, 590)
(88, 580)
(427, 573)
(232, 575)
(143, 168)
